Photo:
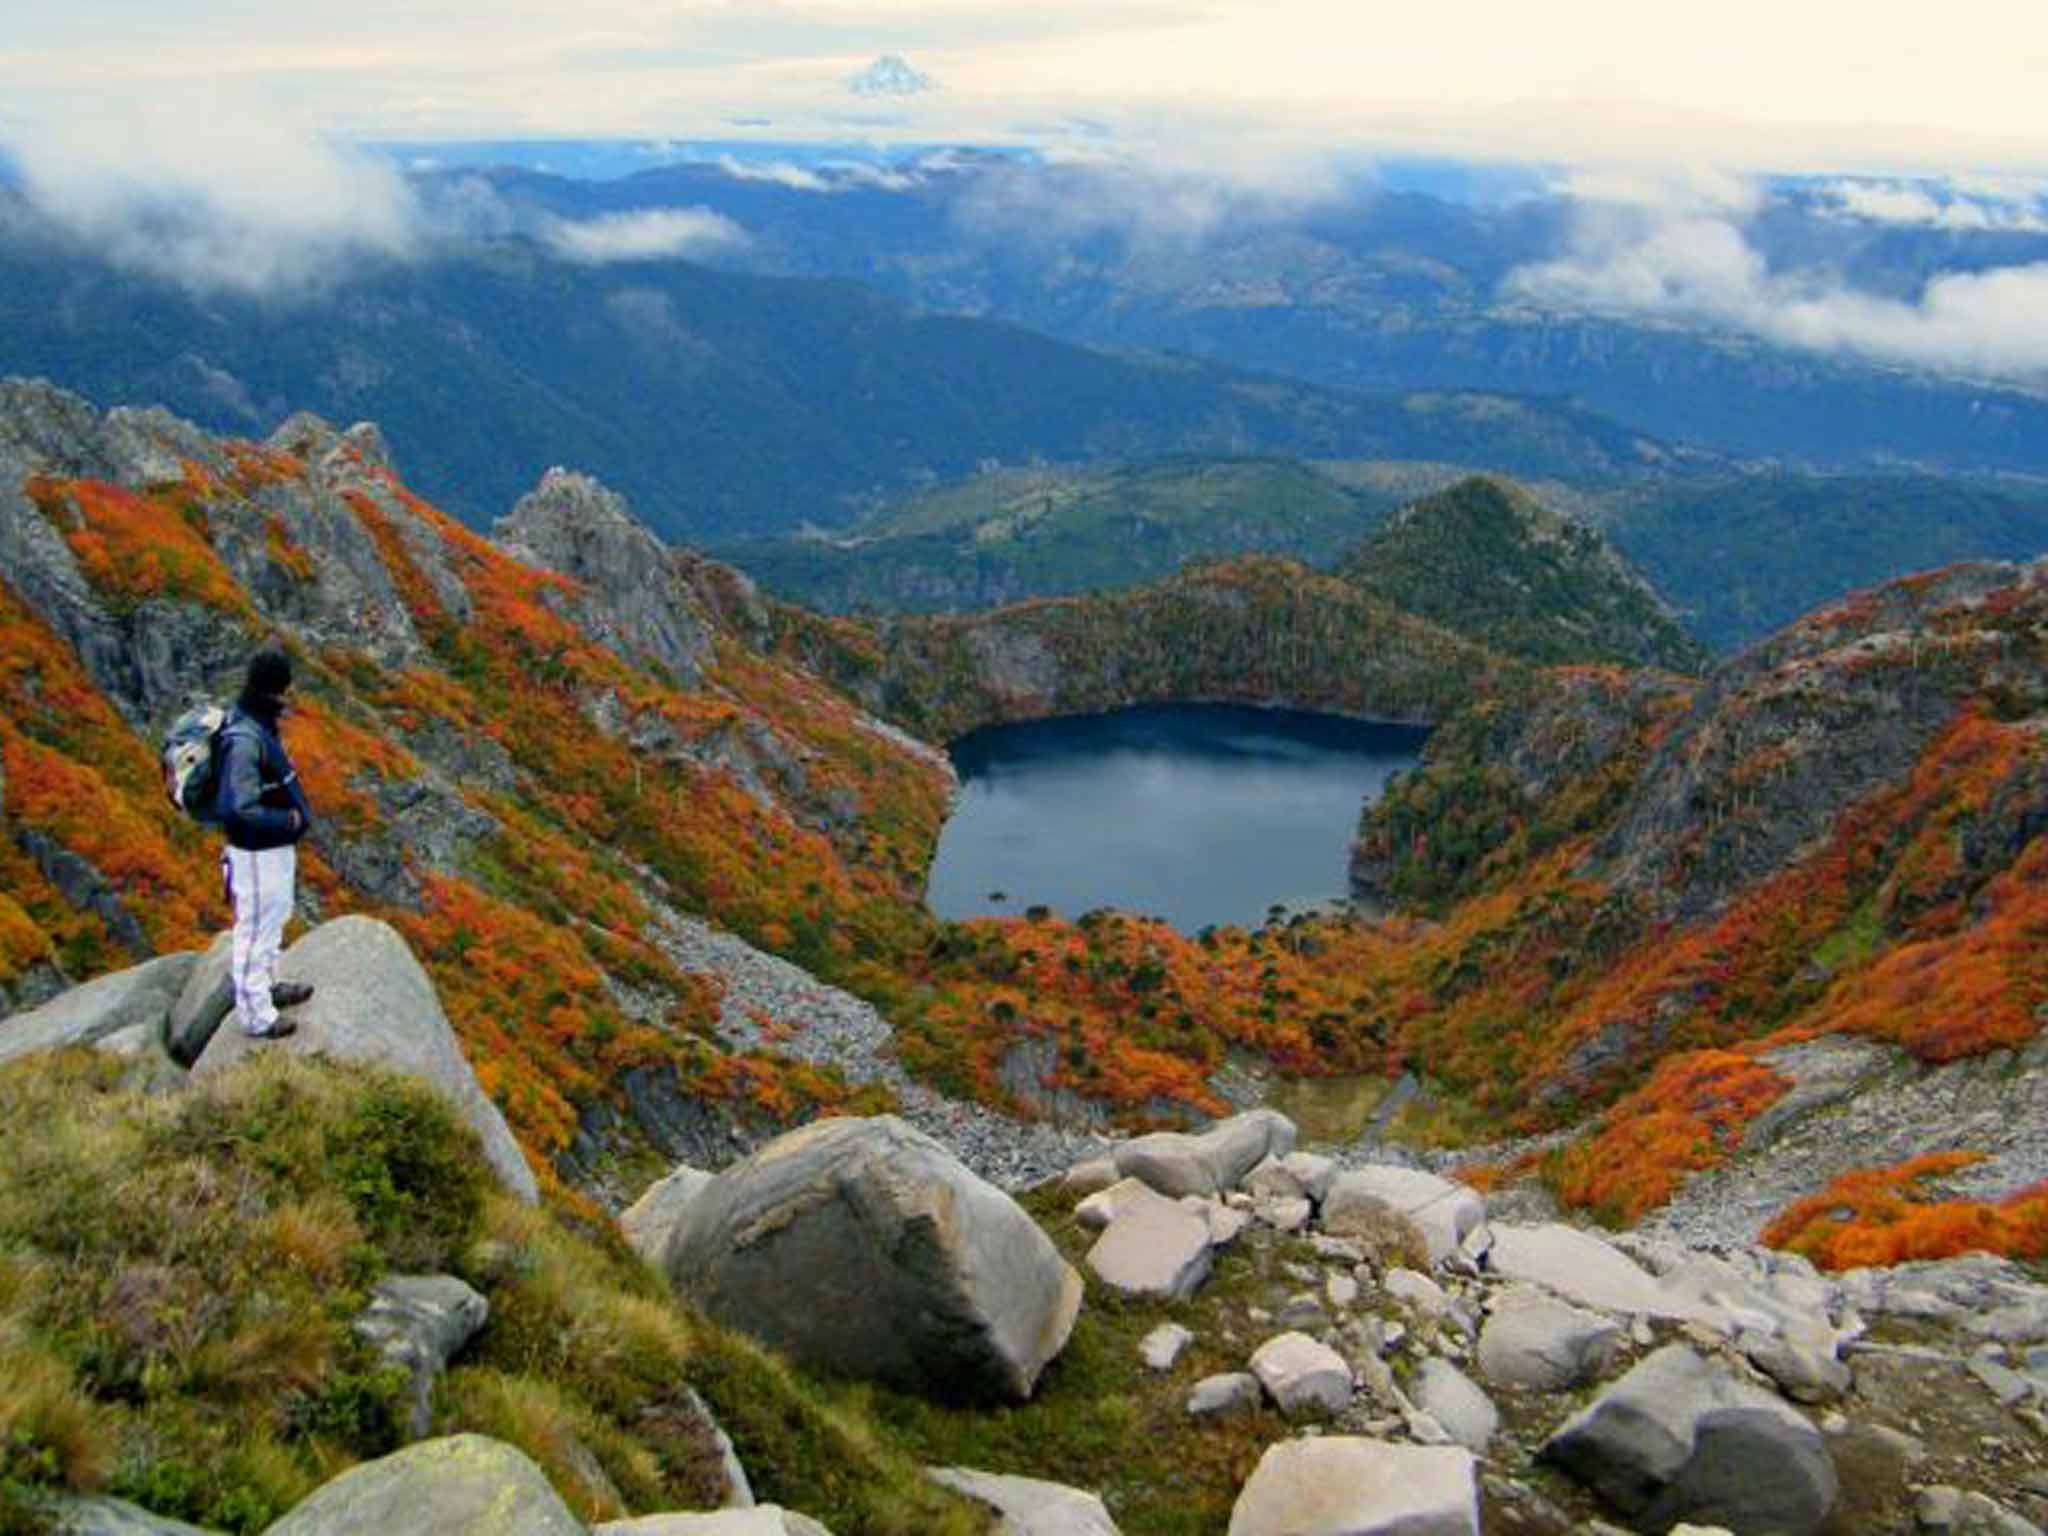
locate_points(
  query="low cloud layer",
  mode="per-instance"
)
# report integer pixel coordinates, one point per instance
(646, 234)
(1915, 205)
(212, 194)
(1677, 255)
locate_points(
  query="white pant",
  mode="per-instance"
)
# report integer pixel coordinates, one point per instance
(261, 884)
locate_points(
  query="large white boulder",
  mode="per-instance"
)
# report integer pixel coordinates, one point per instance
(1346, 1486)
(464, 1485)
(1534, 1341)
(1211, 1163)
(1678, 1438)
(1028, 1506)
(1153, 1247)
(373, 1003)
(1302, 1375)
(141, 995)
(864, 1248)
(1592, 1272)
(1444, 1212)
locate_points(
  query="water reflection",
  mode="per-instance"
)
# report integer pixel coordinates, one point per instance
(1197, 813)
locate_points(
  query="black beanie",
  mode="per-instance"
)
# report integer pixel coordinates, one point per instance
(270, 674)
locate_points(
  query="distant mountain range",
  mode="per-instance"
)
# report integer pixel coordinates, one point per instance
(723, 403)
(1377, 291)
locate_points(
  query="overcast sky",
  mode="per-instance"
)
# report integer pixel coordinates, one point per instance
(1753, 84)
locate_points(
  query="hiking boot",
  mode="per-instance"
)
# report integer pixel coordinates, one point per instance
(276, 1031)
(289, 994)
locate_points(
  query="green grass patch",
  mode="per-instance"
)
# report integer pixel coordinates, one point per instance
(179, 1277)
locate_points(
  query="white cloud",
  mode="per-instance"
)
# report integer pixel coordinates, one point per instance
(1915, 204)
(647, 234)
(214, 192)
(1693, 261)
(780, 172)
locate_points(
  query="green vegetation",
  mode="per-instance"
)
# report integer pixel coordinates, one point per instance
(1010, 534)
(1487, 560)
(1744, 557)
(179, 1276)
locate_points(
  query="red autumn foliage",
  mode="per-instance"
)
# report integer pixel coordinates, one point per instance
(1879, 1216)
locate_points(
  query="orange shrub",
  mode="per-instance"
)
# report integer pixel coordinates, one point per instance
(1880, 1216)
(1689, 1116)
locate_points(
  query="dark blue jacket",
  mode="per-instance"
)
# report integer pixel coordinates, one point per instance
(257, 787)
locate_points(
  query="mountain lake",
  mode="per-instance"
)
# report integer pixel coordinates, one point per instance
(1196, 813)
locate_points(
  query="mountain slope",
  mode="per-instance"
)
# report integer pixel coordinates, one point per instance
(1491, 559)
(720, 403)
(1625, 897)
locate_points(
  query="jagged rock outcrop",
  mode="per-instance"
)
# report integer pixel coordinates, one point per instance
(863, 1247)
(373, 1003)
(464, 1485)
(628, 597)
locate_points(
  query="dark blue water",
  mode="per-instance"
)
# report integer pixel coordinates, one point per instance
(1197, 813)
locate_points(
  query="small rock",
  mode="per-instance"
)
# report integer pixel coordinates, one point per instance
(1455, 1401)
(1216, 1396)
(1806, 1375)
(1284, 1215)
(1153, 1248)
(1952, 1510)
(1273, 1180)
(1342, 1291)
(1028, 1506)
(2008, 1386)
(1163, 1345)
(1536, 1342)
(1303, 1376)
(1418, 1291)
(1337, 1250)
(1303, 1312)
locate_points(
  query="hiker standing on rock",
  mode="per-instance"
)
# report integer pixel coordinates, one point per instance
(263, 810)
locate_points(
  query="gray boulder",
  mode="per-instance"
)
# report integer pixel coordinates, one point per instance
(419, 1323)
(1302, 1375)
(1536, 1342)
(206, 999)
(1153, 1247)
(864, 1248)
(1211, 1163)
(1029, 1507)
(1678, 1438)
(464, 1485)
(373, 1003)
(1594, 1273)
(649, 1222)
(1455, 1401)
(1347, 1486)
(141, 995)
(1442, 1211)
(761, 1520)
